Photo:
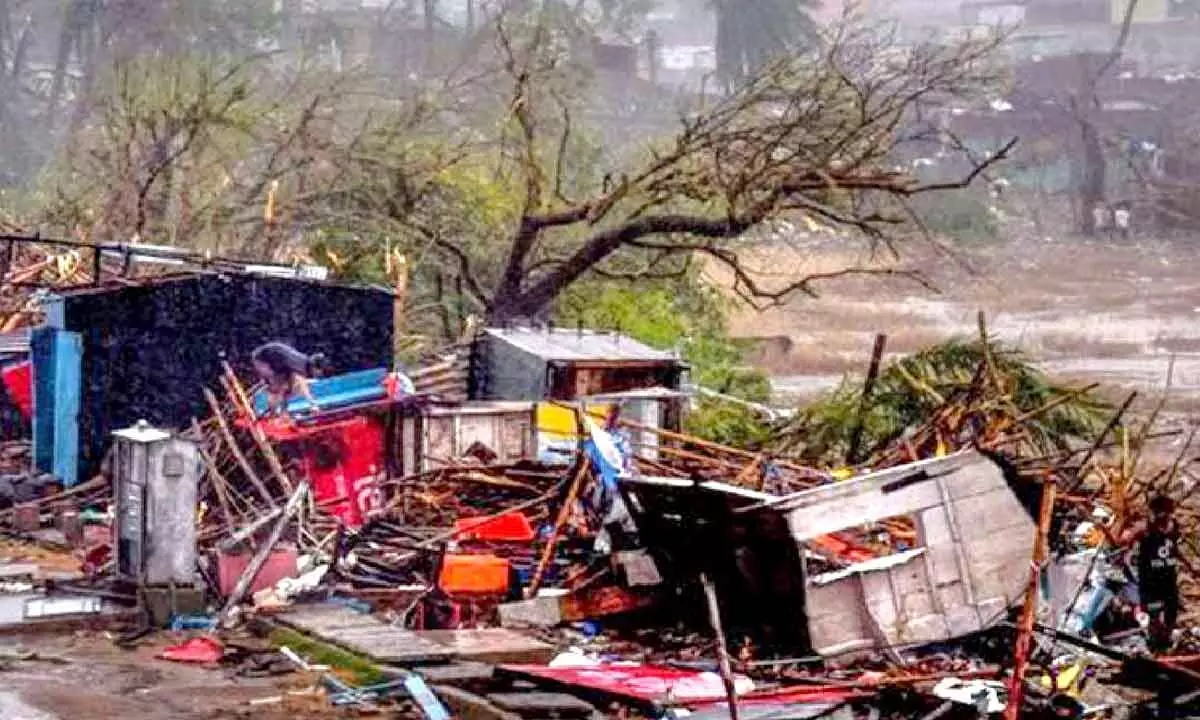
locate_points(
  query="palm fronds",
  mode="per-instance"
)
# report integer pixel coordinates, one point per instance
(960, 392)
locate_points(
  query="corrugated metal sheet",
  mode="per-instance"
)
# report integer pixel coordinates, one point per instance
(15, 342)
(447, 376)
(578, 345)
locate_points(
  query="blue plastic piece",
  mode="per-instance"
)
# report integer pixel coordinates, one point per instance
(420, 692)
(193, 622)
(57, 386)
(351, 603)
(335, 392)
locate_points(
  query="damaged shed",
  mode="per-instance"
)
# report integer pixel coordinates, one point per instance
(112, 355)
(969, 560)
(554, 363)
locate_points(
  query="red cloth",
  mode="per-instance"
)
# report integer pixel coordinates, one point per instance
(197, 650)
(18, 380)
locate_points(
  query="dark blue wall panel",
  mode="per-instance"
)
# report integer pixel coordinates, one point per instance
(149, 351)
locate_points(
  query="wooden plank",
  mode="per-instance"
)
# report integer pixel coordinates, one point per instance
(457, 673)
(491, 645)
(320, 619)
(539, 704)
(368, 636)
(403, 647)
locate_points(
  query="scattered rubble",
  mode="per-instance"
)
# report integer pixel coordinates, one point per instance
(402, 544)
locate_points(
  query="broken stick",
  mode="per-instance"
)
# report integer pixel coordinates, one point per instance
(564, 512)
(714, 617)
(1016, 689)
(227, 434)
(260, 557)
(256, 431)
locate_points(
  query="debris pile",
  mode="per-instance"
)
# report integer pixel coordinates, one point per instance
(963, 557)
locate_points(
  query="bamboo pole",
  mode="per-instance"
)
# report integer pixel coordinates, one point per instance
(260, 558)
(563, 513)
(218, 481)
(1016, 689)
(714, 617)
(256, 432)
(242, 461)
(864, 402)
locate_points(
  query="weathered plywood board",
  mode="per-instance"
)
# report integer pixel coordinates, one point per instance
(366, 635)
(491, 645)
(975, 536)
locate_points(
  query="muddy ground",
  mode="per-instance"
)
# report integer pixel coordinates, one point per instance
(1108, 311)
(85, 676)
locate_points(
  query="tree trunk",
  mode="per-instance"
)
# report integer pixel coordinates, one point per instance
(430, 27)
(68, 36)
(1094, 177)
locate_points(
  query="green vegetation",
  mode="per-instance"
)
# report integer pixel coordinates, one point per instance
(963, 215)
(352, 668)
(911, 389)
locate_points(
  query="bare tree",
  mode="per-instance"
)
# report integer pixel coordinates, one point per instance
(809, 135)
(204, 154)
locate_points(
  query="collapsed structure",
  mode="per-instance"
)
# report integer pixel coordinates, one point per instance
(533, 481)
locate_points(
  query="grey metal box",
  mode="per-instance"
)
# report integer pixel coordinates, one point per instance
(156, 478)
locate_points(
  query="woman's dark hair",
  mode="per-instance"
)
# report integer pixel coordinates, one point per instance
(285, 360)
(273, 357)
(318, 365)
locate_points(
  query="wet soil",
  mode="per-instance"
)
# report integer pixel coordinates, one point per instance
(1105, 311)
(87, 677)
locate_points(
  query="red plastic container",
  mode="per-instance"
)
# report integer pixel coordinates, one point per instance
(474, 575)
(509, 527)
(18, 381)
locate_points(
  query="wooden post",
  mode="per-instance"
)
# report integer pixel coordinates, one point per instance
(1016, 689)
(215, 476)
(564, 512)
(236, 450)
(260, 558)
(865, 400)
(714, 617)
(399, 267)
(260, 437)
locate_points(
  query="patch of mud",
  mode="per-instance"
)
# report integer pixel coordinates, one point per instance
(1099, 311)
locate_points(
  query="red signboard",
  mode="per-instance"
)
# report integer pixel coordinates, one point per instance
(345, 464)
(666, 685)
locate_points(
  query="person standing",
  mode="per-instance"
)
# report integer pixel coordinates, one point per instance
(1121, 220)
(1158, 560)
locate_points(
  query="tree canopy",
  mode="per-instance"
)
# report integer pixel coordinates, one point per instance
(509, 173)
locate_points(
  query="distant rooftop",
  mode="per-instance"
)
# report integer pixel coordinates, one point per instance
(561, 344)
